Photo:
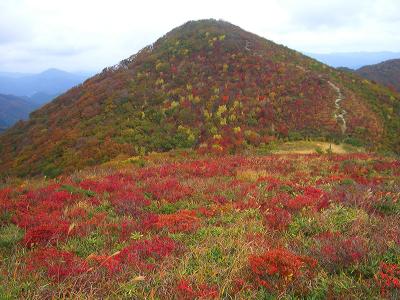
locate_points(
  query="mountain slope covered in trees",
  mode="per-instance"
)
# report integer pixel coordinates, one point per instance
(208, 85)
(386, 73)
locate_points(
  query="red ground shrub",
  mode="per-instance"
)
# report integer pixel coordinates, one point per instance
(45, 234)
(277, 218)
(129, 201)
(28, 219)
(206, 212)
(109, 184)
(126, 228)
(144, 254)
(278, 269)
(76, 213)
(110, 263)
(181, 221)
(311, 197)
(335, 251)
(57, 264)
(388, 279)
(187, 291)
(169, 189)
(5, 194)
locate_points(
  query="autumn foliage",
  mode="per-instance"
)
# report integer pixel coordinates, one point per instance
(184, 226)
(278, 269)
(207, 85)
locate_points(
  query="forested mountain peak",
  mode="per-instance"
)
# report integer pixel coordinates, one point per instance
(208, 85)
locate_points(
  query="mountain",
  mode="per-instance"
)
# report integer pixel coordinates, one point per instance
(40, 98)
(50, 82)
(386, 73)
(353, 60)
(13, 109)
(208, 85)
(34, 89)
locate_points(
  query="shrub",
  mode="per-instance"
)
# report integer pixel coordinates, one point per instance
(187, 291)
(129, 202)
(143, 254)
(279, 269)
(277, 218)
(110, 263)
(45, 234)
(336, 252)
(57, 264)
(388, 279)
(169, 189)
(182, 221)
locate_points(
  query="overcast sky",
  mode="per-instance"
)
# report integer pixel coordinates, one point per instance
(88, 35)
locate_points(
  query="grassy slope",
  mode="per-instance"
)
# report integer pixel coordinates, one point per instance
(208, 222)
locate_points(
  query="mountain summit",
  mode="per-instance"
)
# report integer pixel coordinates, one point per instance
(206, 84)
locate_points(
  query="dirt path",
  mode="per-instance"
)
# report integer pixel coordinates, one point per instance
(309, 148)
(340, 113)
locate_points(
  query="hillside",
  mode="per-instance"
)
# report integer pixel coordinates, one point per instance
(386, 73)
(208, 85)
(13, 109)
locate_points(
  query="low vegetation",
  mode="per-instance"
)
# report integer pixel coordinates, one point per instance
(180, 225)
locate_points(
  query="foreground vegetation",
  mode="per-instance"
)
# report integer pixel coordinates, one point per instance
(176, 225)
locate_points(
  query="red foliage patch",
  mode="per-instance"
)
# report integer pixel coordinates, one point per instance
(187, 291)
(388, 279)
(182, 221)
(144, 254)
(57, 264)
(109, 184)
(277, 218)
(45, 234)
(110, 263)
(129, 201)
(84, 226)
(311, 197)
(169, 189)
(336, 251)
(278, 268)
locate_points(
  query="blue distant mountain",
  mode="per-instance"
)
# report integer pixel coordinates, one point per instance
(49, 83)
(13, 109)
(22, 93)
(353, 60)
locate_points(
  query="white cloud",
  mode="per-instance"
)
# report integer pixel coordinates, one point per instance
(89, 35)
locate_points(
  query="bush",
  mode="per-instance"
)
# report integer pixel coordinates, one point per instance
(353, 141)
(57, 264)
(279, 269)
(388, 279)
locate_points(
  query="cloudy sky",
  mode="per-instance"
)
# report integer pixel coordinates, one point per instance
(88, 35)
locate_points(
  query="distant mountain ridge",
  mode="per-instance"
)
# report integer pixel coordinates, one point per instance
(22, 93)
(50, 82)
(13, 109)
(353, 60)
(386, 73)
